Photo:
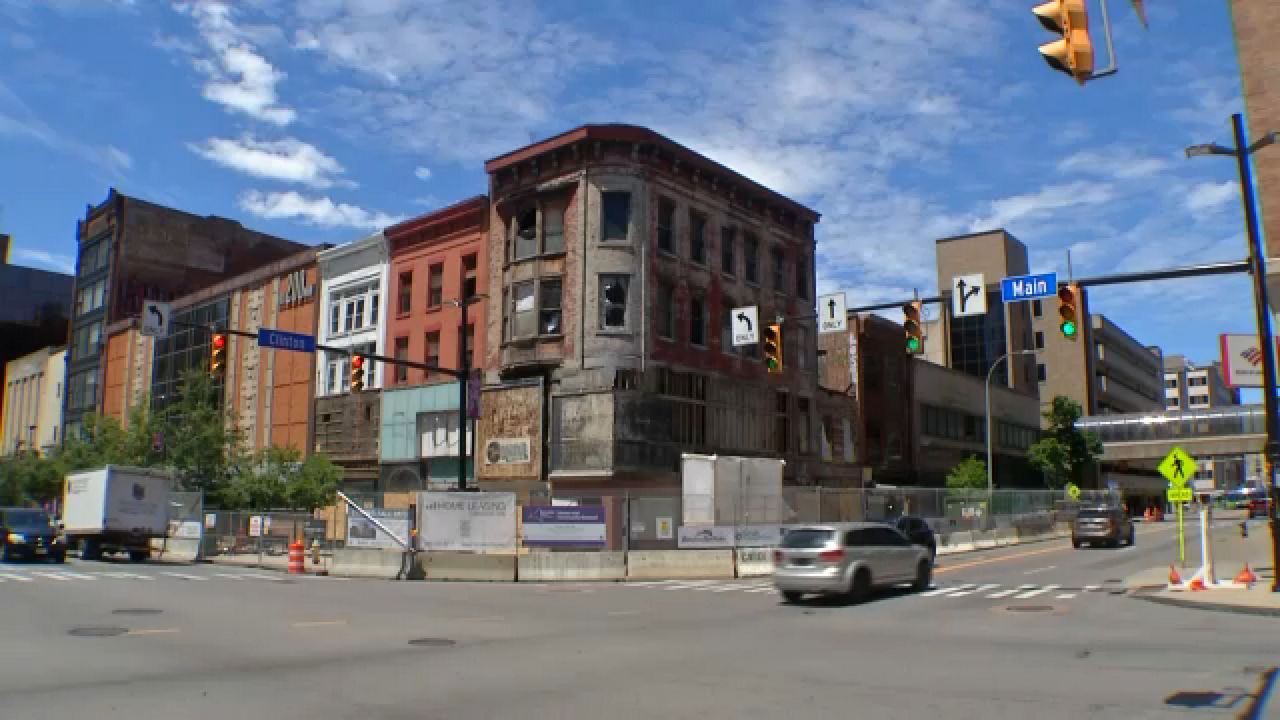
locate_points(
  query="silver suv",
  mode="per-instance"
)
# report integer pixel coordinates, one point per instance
(847, 559)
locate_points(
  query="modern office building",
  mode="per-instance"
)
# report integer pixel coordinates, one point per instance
(1188, 386)
(1104, 369)
(131, 250)
(35, 308)
(616, 259)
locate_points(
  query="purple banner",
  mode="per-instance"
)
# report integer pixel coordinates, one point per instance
(549, 526)
(534, 514)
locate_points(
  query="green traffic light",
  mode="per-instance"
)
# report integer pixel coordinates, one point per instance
(913, 344)
(773, 364)
(1068, 329)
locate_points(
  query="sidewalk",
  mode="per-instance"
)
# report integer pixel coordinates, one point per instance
(1230, 553)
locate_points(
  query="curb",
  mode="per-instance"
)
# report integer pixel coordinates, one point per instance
(1210, 606)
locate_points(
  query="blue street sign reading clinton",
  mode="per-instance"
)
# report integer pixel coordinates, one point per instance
(281, 340)
(1028, 287)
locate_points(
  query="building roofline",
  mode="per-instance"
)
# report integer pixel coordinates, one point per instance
(966, 236)
(352, 247)
(637, 134)
(435, 217)
(285, 264)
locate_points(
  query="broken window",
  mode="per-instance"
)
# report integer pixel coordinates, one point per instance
(666, 225)
(697, 237)
(553, 227)
(435, 285)
(613, 301)
(616, 216)
(727, 242)
(664, 301)
(698, 321)
(549, 307)
(751, 257)
(526, 229)
(523, 310)
(776, 267)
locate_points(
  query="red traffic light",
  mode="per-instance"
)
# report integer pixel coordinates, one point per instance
(219, 342)
(357, 362)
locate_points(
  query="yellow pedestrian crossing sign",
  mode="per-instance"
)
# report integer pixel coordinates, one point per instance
(1177, 467)
(1073, 491)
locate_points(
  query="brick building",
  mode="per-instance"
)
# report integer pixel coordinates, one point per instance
(131, 250)
(616, 258)
(268, 394)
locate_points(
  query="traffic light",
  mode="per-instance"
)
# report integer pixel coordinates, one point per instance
(914, 327)
(218, 356)
(1073, 52)
(1069, 310)
(772, 341)
(357, 374)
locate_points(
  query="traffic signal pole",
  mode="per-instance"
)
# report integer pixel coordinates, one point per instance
(1261, 305)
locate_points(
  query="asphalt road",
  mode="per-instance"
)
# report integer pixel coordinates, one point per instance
(208, 642)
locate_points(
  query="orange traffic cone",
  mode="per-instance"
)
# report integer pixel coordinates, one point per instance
(1174, 577)
(1246, 576)
(1197, 583)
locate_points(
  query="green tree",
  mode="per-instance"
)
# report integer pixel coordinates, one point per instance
(199, 442)
(315, 484)
(969, 474)
(1064, 453)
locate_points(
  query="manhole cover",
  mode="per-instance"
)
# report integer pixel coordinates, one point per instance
(97, 631)
(1030, 608)
(137, 611)
(432, 642)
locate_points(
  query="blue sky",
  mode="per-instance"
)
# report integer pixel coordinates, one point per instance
(902, 122)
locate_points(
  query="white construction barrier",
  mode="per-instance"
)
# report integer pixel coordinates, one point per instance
(665, 564)
(754, 562)
(556, 566)
(367, 562)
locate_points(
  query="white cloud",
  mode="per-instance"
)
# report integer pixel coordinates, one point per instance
(1007, 211)
(18, 120)
(1115, 162)
(422, 172)
(288, 160)
(320, 211)
(52, 261)
(240, 79)
(1211, 197)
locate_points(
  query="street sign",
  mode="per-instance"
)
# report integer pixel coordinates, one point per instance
(968, 295)
(1073, 491)
(1179, 494)
(155, 318)
(746, 326)
(833, 314)
(1028, 287)
(282, 340)
(1177, 467)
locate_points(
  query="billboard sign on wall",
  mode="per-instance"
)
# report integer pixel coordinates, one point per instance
(468, 521)
(1242, 360)
(363, 534)
(553, 526)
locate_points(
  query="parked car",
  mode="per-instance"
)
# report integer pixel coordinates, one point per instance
(1258, 507)
(848, 560)
(30, 534)
(1102, 524)
(919, 533)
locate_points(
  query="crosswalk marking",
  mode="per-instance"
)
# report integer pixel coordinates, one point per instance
(184, 576)
(1066, 596)
(52, 576)
(78, 576)
(229, 576)
(945, 590)
(260, 576)
(18, 578)
(984, 588)
(1037, 591)
(1091, 588)
(1007, 593)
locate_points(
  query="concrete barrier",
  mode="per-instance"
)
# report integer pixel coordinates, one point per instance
(367, 562)
(175, 549)
(663, 564)
(554, 566)
(753, 562)
(468, 566)
(984, 539)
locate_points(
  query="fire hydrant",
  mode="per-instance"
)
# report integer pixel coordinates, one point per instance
(315, 552)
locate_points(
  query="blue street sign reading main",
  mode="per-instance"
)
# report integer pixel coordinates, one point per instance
(281, 340)
(1028, 287)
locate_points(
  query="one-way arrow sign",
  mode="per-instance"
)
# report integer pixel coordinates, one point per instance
(968, 295)
(833, 313)
(746, 326)
(155, 318)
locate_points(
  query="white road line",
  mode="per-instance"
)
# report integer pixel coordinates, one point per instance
(1006, 593)
(260, 576)
(759, 590)
(184, 576)
(51, 576)
(1038, 591)
(1039, 570)
(78, 576)
(126, 576)
(11, 576)
(1066, 596)
(1091, 588)
(647, 583)
(229, 576)
(727, 588)
(945, 590)
(983, 588)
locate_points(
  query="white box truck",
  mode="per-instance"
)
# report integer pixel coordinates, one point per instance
(116, 509)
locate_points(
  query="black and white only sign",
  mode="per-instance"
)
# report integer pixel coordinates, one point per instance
(746, 326)
(155, 318)
(833, 313)
(968, 295)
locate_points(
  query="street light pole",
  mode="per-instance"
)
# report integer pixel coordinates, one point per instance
(990, 470)
(1241, 151)
(463, 382)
